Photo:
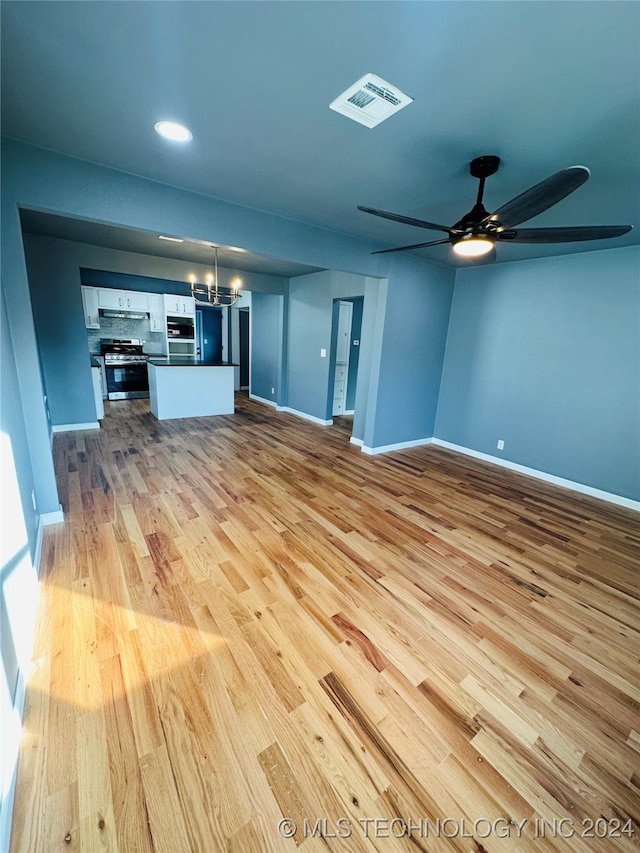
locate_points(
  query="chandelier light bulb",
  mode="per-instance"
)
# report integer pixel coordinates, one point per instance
(210, 292)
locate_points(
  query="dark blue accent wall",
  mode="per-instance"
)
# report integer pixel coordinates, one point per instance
(125, 281)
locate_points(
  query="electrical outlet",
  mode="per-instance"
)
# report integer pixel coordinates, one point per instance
(323, 353)
(500, 444)
(273, 390)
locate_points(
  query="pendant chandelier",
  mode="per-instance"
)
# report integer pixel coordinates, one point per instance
(211, 292)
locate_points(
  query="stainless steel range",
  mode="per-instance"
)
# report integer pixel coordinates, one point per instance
(125, 366)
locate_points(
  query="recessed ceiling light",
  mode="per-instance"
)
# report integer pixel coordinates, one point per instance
(170, 239)
(174, 131)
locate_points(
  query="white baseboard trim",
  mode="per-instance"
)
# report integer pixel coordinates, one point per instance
(542, 475)
(46, 518)
(389, 448)
(263, 400)
(349, 412)
(357, 441)
(73, 427)
(304, 415)
(56, 517)
(37, 554)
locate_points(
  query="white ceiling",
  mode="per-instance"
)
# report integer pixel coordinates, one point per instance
(543, 85)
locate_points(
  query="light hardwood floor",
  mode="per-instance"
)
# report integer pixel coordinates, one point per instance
(244, 620)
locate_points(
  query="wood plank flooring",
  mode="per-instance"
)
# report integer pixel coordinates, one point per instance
(253, 637)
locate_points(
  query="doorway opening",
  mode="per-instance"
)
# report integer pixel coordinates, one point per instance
(347, 326)
(243, 335)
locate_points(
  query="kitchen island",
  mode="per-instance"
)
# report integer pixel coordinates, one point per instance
(187, 387)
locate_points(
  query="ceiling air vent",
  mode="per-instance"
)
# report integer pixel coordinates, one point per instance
(370, 101)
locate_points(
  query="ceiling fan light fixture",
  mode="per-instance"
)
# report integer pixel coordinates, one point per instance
(473, 246)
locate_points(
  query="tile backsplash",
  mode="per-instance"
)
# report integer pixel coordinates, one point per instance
(118, 327)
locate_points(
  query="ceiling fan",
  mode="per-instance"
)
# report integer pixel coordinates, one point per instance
(476, 234)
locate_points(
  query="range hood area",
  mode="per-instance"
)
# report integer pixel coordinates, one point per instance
(118, 314)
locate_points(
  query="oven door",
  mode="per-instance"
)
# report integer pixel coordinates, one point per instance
(126, 380)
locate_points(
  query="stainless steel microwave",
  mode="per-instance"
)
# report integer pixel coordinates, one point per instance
(182, 328)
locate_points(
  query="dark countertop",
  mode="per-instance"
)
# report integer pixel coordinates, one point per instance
(187, 361)
(95, 362)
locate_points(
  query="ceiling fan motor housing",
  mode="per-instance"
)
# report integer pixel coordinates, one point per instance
(480, 167)
(483, 167)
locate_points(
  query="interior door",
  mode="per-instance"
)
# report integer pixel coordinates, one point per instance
(343, 341)
(243, 320)
(209, 333)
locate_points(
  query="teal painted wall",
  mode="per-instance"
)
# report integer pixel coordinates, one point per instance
(411, 352)
(266, 333)
(311, 305)
(545, 354)
(14, 433)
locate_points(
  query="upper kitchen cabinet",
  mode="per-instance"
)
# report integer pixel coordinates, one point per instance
(110, 298)
(156, 312)
(179, 305)
(90, 304)
(136, 301)
(122, 300)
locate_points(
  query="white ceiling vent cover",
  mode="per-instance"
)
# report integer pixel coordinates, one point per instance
(370, 101)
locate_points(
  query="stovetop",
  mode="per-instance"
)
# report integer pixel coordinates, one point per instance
(122, 349)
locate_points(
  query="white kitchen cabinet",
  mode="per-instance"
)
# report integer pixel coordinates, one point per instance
(156, 312)
(179, 305)
(122, 300)
(135, 300)
(90, 304)
(96, 379)
(111, 299)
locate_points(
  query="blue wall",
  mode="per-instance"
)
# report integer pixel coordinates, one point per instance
(18, 556)
(411, 353)
(125, 281)
(545, 354)
(266, 333)
(311, 307)
(13, 427)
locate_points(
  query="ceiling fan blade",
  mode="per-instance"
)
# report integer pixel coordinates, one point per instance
(406, 248)
(540, 197)
(407, 220)
(570, 234)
